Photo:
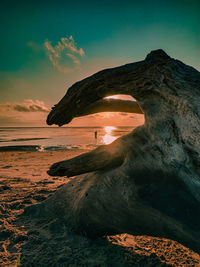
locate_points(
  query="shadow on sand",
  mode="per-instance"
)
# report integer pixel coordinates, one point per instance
(49, 243)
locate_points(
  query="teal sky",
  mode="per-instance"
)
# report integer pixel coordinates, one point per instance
(110, 33)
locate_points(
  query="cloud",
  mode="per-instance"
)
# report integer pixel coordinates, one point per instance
(70, 44)
(28, 105)
(74, 58)
(65, 55)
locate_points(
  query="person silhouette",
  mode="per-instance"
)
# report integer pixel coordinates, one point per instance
(95, 134)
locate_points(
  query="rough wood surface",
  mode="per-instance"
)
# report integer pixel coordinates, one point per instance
(147, 182)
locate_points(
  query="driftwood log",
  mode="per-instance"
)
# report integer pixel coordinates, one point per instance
(148, 181)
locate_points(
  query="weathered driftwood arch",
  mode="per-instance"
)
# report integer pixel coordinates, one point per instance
(146, 182)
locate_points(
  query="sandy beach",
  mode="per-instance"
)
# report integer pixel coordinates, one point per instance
(25, 242)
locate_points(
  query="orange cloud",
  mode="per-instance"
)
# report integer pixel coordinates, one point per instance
(65, 49)
(28, 105)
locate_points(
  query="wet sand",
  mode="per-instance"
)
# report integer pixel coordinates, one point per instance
(24, 182)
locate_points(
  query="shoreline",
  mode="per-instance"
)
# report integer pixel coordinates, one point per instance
(24, 182)
(39, 148)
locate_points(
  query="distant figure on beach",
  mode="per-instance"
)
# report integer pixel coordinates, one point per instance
(95, 134)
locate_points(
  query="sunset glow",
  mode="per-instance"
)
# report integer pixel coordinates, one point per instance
(108, 137)
(61, 43)
(112, 97)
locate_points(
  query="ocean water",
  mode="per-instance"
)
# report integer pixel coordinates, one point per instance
(59, 138)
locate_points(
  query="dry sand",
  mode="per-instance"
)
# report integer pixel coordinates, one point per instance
(27, 242)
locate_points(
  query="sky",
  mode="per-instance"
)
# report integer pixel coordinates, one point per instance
(46, 46)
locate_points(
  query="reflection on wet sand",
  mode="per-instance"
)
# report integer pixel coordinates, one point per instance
(108, 137)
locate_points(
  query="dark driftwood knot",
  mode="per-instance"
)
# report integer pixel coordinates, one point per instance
(146, 182)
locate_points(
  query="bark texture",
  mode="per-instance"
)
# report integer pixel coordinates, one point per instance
(146, 182)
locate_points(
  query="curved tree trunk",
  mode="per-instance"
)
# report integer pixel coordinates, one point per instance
(146, 182)
(111, 105)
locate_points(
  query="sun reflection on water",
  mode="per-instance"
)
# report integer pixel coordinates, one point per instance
(108, 137)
